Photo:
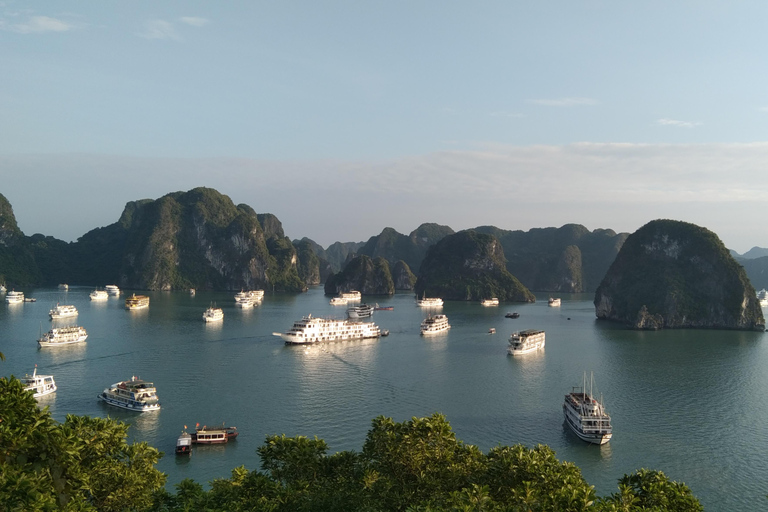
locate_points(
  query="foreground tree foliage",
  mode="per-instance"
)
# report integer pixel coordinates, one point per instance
(413, 466)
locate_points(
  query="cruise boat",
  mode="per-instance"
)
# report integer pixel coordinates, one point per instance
(490, 302)
(553, 302)
(524, 342)
(184, 443)
(762, 298)
(64, 287)
(99, 295)
(62, 311)
(41, 385)
(63, 336)
(213, 314)
(586, 416)
(134, 395)
(136, 302)
(256, 295)
(338, 301)
(361, 311)
(312, 329)
(352, 296)
(14, 297)
(211, 435)
(434, 324)
(427, 302)
(243, 299)
(112, 289)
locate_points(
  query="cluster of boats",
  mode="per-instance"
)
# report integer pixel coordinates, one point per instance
(204, 435)
(249, 299)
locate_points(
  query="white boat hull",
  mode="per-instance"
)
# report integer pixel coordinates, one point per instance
(103, 396)
(598, 439)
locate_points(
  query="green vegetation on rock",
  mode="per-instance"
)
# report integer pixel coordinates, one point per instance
(366, 275)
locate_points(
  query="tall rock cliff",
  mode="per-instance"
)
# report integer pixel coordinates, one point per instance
(469, 266)
(17, 260)
(368, 276)
(402, 276)
(672, 274)
(394, 246)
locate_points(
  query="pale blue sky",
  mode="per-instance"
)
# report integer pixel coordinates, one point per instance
(342, 118)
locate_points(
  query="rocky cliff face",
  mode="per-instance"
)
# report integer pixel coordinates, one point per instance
(394, 246)
(402, 276)
(672, 274)
(309, 263)
(17, 260)
(369, 276)
(469, 266)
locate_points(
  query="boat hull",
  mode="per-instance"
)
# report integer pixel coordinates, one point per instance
(103, 396)
(598, 439)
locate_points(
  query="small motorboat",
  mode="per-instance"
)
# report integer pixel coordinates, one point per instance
(184, 443)
(492, 330)
(512, 315)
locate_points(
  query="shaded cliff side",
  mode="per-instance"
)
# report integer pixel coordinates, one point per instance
(469, 266)
(368, 276)
(672, 274)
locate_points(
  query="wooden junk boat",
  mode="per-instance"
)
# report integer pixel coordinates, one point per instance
(213, 435)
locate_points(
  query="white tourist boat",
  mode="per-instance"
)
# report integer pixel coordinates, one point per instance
(63, 311)
(434, 324)
(64, 287)
(586, 415)
(553, 302)
(429, 302)
(136, 302)
(243, 299)
(63, 336)
(524, 342)
(490, 302)
(41, 385)
(762, 298)
(97, 295)
(213, 314)
(352, 296)
(256, 295)
(14, 297)
(134, 395)
(112, 289)
(361, 311)
(338, 301)
(312, 329)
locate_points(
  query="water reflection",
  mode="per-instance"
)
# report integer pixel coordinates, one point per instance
(65, 353)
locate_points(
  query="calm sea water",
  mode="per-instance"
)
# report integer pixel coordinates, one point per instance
(692, 403)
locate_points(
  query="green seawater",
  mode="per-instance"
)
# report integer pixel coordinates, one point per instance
(691, 403)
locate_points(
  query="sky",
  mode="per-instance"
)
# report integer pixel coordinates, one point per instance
(345, 117)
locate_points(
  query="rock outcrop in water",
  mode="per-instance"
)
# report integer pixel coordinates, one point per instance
(672, 274)
(366, 275)
(469, 266)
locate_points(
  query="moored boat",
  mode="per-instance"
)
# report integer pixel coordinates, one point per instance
(434, 324)
(553, 301)
(98, 295)
(136, 302)
(762, 298)
(184, 443)
(586, 416)
(213, 314)
(338, 301)
(513, 314)
(14, 297)
(212, 435)
(256, 295)
(41, 385)
(524, 342)
(352, 296)
(243, 299)
(311, 329)
(361, 311)
(112, 289)
(62, 311)
(490, 302)
(64, 287)
(63, 336)
(134, 395)
(383, 308)
(429, 302)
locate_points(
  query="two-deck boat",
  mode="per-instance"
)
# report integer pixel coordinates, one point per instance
(98, 295)
(352, 296)
(112, 289)
(553, 301)
(62, 311)
(338, 301)
(524, 342)
(429, 302)
(134, 395)
(243, 299)
(762, 298)
(41, 385)
(214, 435)
(361, 311)
(62, 336)
(312, 329)
(213, 314)
(136, 302)
(434, 324)
(14, 297)
(490, 302)
(586, 415)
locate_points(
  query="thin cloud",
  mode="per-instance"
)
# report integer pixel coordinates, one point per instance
(40, 24)
(159, 29)
(675, 122)
(194, 21)
(564, 102)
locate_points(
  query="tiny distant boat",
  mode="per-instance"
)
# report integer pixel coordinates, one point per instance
(338, 301)
(385, 332)
(62, 336)
(586, 415)
(97, 295)
(184, 443)
(429, 302)
(192, 292)
(361, 311)
(434, 324)
(134, 395)
(514, 314)
(492, 330)
(14, 297)
(352, 296)
(383, 308)
(213, 314)
(64, 287)
(243, 300)
(490, 302)
(762, 298)
(112, 289)
(553, 302)
(256, 295)
(136, 302)
(524, 342)
(41, 385)
(62, 311)
(30, 299)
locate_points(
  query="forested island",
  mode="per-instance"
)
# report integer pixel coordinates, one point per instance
(418, 465)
